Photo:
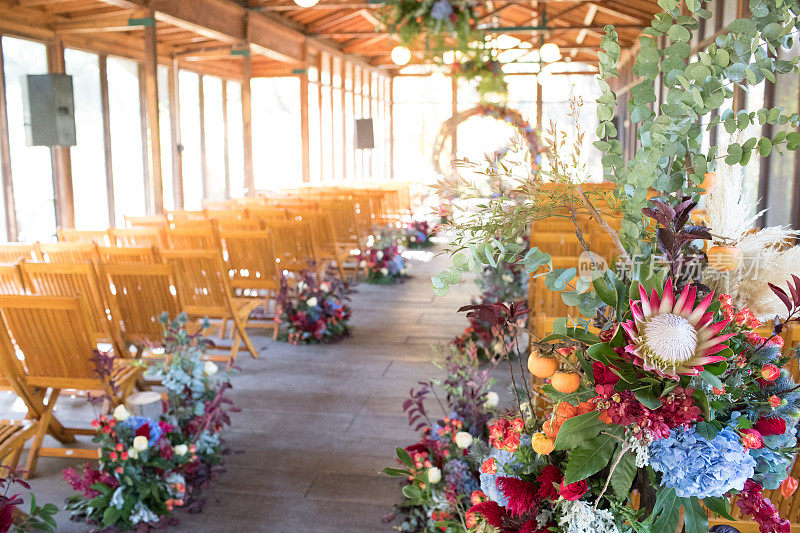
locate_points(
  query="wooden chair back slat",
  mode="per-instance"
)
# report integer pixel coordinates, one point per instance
(140, 294)
(250, 260)
(345, 226)
(15, 252)
(68, 252)
(225, 224)
(155, 221)
(11, 280)
(267, 214)
(139, 255)
(54, 334)
(201, 281)
(70, 279)
(186, 216)
(294, 248)
(224, 214)
(152, 236)
(192, 239)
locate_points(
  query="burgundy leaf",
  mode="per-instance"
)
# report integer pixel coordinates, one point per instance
(780, 293)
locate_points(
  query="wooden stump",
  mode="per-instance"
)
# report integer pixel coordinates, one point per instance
(146, 403)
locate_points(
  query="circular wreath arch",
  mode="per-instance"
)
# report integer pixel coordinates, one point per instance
(499, 112)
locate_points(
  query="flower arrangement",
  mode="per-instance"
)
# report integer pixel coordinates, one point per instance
(434, 19)
(136, 482)
(313, 311)
(482, 342)
(12, 518)
(384, 263)
(439, 475)
(418, 234)
(487, 70)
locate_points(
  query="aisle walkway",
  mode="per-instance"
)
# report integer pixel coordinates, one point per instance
(319, 422)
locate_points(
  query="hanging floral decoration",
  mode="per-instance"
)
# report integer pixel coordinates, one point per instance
(437, 21)
(488, 71)
(503, 113)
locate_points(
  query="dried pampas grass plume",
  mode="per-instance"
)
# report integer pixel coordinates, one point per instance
(768, 255)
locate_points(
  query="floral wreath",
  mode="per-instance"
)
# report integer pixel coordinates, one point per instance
(499, 112)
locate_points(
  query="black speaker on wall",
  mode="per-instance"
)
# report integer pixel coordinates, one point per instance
(365, 138)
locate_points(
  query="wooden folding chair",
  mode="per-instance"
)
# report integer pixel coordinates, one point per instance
(55, 336)
(68, 252)
(138, 295)
(267, 214)
(13, 436)
(224, 214)
(192, 239)
(345, 226)
(326, 248)
(99, 237)
(15, 252)
(253, 272)
(230, 224)
(186, 216)
(152, 236)
(294, 246)
(136, 255)
(74, 279)
(204, 291)
(154, 221)
(11, 280)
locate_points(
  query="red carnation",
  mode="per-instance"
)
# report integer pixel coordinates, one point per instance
(521, 494)
(573, 491)
(770, 426)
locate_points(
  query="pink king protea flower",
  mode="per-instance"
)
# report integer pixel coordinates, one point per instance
(672, 337)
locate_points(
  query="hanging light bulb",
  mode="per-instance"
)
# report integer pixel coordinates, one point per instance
(401, 55)
(306, 3)
(449, 57)
(549, 53)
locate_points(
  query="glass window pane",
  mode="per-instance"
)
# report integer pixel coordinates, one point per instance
(276, 132)
(31, 169)
(126, 138)
(215, 138)
(164, 125)
(326, 125)
(88, 155)
(235, 139)
(189, 91)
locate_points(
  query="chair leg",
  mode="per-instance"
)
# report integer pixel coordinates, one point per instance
(41, 431)
(240, 328)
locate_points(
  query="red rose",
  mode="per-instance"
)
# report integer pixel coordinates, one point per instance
(770, 426)
(573, 491)
(604, 379)
(751, 439)
(770, 372)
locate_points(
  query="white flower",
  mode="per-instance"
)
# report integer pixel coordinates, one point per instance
(508, 278)
(492, 399)
(362, 264)
(180, 449)
(132, 453)
(434, 475)
(140, 443)
(210, 368)
(311, 302)
(301, 285)
(463, 440)
(384, 271)
(324, 287)
(379, 255)
(121, 413)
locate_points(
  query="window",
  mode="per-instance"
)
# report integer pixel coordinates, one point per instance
(126, 138)
(89, 186)
(31, 169)
(165, 131)
(235, 139)
(191, 159)
(215, 138)
(277, 155)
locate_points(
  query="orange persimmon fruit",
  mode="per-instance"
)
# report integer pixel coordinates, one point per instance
(709, 182)
(542, 367)
(724, 258)
(565, 382)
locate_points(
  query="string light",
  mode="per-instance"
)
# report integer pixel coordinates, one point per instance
(550, 53)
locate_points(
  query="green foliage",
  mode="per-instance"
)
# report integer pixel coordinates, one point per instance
(590, 457)
(578, 429)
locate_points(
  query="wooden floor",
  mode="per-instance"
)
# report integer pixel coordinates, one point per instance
(317, 422)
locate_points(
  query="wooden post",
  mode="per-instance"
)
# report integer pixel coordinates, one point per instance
(391, 128)
(247, 128)
(201, 95)
(175, 134)
(156, 186)
(60, 155)
(454, 111)
(5, 159)
(107, 139)
(143, 120)
(225, 139)
(304, 136)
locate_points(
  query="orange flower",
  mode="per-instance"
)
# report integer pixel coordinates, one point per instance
(542, 444)
(788, 487)
(489, 467)
(774, 401)
(770, 372)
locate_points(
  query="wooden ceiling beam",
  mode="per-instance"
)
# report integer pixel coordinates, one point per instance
(500, 29)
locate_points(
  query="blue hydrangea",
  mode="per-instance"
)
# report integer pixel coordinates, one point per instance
(396, 265)
(771, 467)
(505, 468)
(441, 10)
(458, 473)
(695, 466)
